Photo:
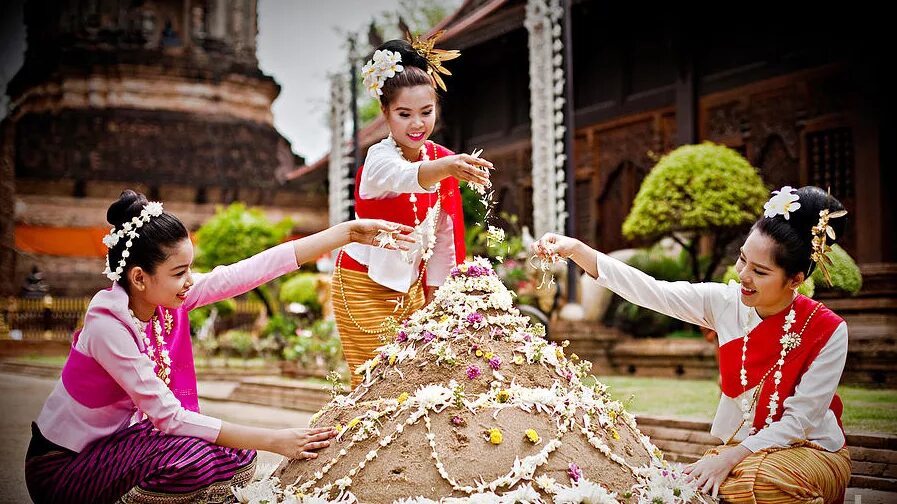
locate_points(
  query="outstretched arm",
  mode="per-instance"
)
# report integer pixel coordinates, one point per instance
(691, 302)
(235, 279)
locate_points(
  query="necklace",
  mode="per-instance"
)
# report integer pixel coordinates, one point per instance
(157, 353)
(789, 340)
(425, 257)
(424, 156)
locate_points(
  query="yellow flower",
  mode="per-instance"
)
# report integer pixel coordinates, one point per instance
(392, 359)
(533, 436)
(443, 319)
(479, 353)
(612, 414)
(495, 436)
(338, 427)
(463, 268)
(518, 359)
(614, 434)
(503, 396)
(574, 357)
(403, 397)
(559, 353)
(658, 454)
(353, 422)
(488, 355)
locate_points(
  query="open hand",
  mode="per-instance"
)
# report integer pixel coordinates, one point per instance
(467, 168)
(711, 470)
(555, 245)
(302, 443)
(381, 233)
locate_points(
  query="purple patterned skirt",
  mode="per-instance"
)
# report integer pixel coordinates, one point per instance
(136, 465)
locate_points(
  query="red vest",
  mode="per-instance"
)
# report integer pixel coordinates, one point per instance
(764, 347)
(399, 209)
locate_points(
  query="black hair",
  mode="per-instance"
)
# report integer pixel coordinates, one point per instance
(793, 236)
(414, 74)
(155, 240)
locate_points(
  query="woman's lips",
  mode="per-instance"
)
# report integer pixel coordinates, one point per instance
(748, 292)
(417, 137)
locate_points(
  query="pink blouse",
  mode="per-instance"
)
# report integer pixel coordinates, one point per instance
(111, 339)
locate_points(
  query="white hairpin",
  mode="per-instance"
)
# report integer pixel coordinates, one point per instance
(129, 229)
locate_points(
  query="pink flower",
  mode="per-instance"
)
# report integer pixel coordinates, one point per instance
(574, 471)
(457, 421)
(401, 337)
(473, 372)
(474, 318)
(428, 336)
(495, 362)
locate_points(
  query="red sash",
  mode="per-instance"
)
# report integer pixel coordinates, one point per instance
(764, 346)
(399, 209)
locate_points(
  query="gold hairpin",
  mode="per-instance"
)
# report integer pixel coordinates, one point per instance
(820, 245)
(434, 57)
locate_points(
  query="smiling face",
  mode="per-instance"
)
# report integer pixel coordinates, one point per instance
(168, 285)
(764, 284)
(411, 117)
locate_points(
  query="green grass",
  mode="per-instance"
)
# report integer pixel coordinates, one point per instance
(865, 410)
(50, 360)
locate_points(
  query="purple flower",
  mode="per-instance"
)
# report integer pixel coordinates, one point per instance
(528, 338)
(474, 318)
(574, 471)
(473, 372)
(401, 337)
(495, 362)
(457, 421)
(428, 336)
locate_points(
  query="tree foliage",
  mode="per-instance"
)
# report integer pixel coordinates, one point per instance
(698, 190)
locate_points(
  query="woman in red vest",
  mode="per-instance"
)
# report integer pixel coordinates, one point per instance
(406, 179)
(781, 353)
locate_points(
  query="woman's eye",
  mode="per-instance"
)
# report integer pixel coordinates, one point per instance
(428, 112)
(759, 272)
(405, 115)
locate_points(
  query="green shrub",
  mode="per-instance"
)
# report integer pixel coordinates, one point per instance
(845, 273)
(698, 190)
(301, 288)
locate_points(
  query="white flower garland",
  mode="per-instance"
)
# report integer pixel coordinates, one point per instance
(547, 79)
(129, 229)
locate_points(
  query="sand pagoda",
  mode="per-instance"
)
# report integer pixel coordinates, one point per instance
(470, 403)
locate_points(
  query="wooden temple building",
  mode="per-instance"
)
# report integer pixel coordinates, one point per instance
(163, 96)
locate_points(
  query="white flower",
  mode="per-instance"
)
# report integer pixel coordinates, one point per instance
(153, 208)
(383, 65)
(585, 491)
(782, 202)
(111, 239)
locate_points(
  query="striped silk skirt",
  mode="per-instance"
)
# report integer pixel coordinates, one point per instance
(136, 465)
(369, 304)
(804, 473)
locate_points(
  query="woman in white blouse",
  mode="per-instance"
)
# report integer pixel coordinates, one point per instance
(413, 181)
(781, 353)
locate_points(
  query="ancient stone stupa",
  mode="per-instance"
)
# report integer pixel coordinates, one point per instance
(469, 403)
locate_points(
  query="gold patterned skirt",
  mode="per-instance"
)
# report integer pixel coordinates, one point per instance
(360, 307)
(804, 473)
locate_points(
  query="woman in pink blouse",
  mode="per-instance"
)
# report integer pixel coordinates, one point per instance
(123, 423)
